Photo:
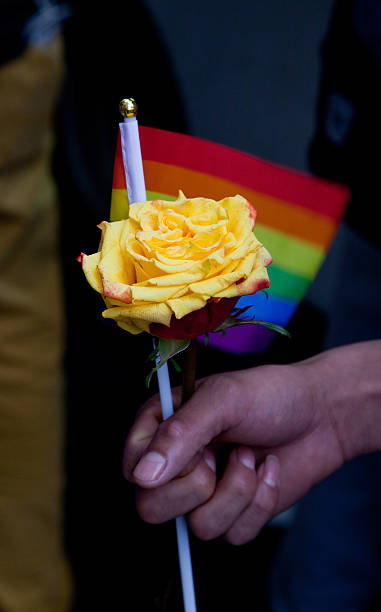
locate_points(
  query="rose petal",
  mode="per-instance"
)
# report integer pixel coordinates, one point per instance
(257, 280)
(90, 268)
(212, 286)
(153, 294)
(158, 313)
(196, 323)
(128, 325)
(184, 305)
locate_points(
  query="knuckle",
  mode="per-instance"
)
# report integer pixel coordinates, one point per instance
(227, 386)
(202, 483)
(236, 539)
(245, 529)
(242, 491)
(148, 405)
(173, 430)
(261, 507)
(265, 500)
(146, 509)
(201, 530)
(223, 384)
(135, 443)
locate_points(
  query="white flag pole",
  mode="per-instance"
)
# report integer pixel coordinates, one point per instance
(133, 167)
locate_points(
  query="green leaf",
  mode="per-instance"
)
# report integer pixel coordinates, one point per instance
(170, 348)
(237, 312)
(166, 349)
(234, 322)
(154, 355)
(277, 328)
(176, 365)
(206, 339)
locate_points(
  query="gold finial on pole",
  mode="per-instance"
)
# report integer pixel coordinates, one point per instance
(128, 108)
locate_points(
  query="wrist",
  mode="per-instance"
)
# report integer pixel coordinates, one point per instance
(346, 384)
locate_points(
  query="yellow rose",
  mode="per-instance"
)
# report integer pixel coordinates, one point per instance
(170, 259)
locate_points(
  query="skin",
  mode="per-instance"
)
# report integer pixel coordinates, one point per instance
(249, 444)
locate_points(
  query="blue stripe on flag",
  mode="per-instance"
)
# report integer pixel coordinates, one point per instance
(272, 308)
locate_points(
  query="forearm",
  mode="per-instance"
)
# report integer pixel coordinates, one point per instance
(346, 382)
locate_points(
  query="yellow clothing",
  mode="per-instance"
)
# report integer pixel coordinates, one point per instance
(33, 569)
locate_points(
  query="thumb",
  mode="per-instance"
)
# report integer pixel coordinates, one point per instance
(178, 439)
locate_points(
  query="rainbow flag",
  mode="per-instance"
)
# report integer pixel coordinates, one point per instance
(297, 216)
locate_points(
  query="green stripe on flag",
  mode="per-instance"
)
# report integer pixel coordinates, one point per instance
(287, 285)
(290, 253)
(155, 195)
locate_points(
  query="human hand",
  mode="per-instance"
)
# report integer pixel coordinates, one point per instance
(268, 415)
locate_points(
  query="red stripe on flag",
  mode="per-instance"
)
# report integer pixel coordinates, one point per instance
(218, 160)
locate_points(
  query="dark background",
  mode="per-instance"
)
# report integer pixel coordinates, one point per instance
(248, 71)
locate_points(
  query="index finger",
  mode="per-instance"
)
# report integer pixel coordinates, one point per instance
(141, 434)
(177, 440)
(148, 419)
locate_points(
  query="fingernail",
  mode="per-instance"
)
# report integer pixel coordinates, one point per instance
(247, 458)
(272, 470)
(210, 460)
(150, 466)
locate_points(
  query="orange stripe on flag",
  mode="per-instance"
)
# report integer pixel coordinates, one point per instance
(283, 216)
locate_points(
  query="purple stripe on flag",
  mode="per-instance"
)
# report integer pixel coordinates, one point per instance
(244, 340)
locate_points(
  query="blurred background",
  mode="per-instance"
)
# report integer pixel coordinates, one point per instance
(259, 60)
(251, 75)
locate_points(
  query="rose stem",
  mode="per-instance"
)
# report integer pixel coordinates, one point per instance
(189, 371)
